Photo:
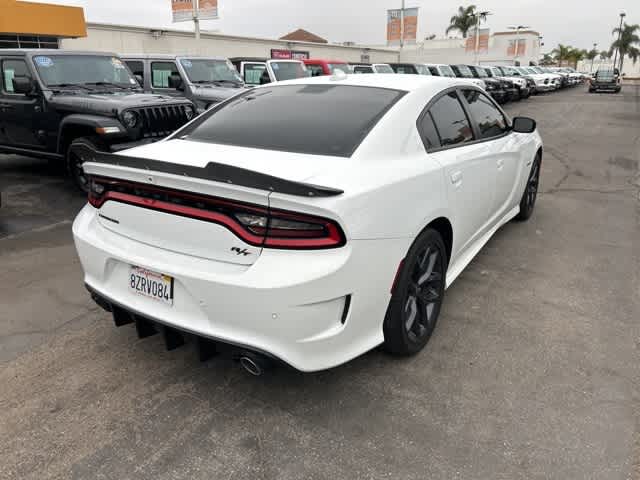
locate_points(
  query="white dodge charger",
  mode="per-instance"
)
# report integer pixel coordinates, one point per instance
(307, 221)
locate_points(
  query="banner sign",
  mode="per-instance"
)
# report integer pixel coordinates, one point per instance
(395, 27)
(410, 25)
(522, 47)
(182, 10)
(483, 42)
(283, 54)
(208, 9)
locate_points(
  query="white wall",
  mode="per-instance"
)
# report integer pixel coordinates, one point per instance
(124, 39)
(452, 50)
(628, 68)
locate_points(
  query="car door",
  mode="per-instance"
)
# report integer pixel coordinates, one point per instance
(499, 146)
(20, 115)
(450, 139)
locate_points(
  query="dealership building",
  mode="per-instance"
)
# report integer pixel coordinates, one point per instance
(40, 25)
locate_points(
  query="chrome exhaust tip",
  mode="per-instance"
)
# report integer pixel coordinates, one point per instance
(255, 364)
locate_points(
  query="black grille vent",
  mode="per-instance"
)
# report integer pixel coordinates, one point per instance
(161, 121)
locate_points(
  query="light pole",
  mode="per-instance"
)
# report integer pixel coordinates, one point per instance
(595, 50)
(196, 18)
(402, 26)
(517, 40)
(615, 58)
(479, 15)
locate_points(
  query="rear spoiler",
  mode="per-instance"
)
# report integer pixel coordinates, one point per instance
(216, 172)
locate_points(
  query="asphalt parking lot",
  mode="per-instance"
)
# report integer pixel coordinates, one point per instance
(532, 373)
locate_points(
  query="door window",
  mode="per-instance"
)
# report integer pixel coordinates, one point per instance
(450, 120)
(253, 72)
(160, 73)
(362, 69)
(428, 131)
(12, 69)
(136, 67)
(490, 120)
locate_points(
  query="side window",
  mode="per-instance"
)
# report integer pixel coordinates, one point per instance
(136, 67)
(12, 69)
(362, 69)
(316, 70)
(160, 73)
(253, 72)
(434, 71)
(491, 121)
(428, 131)
(450, 120)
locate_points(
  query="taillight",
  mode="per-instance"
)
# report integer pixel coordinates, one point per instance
(256, 225)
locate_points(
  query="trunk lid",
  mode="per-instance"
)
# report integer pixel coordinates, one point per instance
(188, 215)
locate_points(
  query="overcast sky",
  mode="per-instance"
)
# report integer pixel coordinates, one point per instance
(576, 22)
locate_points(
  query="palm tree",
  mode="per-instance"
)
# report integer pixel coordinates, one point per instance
(575, 55)
(546, 60)
(626, 42)
(592, 54)
(605, 54)
(465, 20)
(561, 53)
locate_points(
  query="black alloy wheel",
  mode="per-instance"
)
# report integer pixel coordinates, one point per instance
(530, 195)
(418, 295)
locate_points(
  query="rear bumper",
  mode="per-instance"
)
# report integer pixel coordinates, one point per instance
(312, 310)
(605, 87)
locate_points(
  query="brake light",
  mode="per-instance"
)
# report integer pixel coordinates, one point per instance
(256, 225)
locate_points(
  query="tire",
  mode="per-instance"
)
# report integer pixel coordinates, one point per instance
(74, 165)
(418, 294)
(530, 195)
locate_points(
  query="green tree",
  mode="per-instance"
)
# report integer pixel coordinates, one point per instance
(465, 20)
(561, 53)
(605, 54)
(627, 43)
(592, 54)
(575, 55)
(547, 60)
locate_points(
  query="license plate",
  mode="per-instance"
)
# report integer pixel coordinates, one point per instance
(150, 284)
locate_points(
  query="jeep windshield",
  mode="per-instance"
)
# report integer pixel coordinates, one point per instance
(203, 70)
(288, 70)
(84, 70)
(446, 71)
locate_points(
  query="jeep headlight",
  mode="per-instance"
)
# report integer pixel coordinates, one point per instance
(130, 119)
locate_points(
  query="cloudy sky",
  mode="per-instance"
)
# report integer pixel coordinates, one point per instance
(576, 22)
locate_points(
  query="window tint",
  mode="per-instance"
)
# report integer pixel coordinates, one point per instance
(428, 131)
(12, 69)
(253, 72)
(312, 119)
(451, 121)
(136, 67)
(160, 72)
(490, 120)
(362, 69)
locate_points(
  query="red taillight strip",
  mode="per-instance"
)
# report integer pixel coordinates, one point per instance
(185, 211)
(262, 237)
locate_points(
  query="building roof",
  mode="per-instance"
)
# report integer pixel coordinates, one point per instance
(521, 32)
(301, 35)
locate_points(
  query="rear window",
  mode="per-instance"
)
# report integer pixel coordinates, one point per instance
(313, 119)
(604, 74)
(288, 70)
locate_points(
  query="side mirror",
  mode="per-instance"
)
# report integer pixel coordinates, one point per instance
(22, 85)
(523, 125)
(139, 79)
(175, 81)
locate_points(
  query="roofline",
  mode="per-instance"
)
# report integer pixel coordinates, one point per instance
(151, 56)
(213, 35)
(521, 32)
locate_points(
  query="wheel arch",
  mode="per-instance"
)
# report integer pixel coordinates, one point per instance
(443, 226)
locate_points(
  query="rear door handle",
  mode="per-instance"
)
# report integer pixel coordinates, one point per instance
(500, 163)
(456, 178)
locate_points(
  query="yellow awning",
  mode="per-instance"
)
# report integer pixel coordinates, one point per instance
(27, 18)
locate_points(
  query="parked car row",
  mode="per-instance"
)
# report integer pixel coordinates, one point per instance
(53, 98)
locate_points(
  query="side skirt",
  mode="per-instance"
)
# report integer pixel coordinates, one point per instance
(455, 269)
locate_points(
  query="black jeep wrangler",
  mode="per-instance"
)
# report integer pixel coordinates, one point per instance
(50, 99)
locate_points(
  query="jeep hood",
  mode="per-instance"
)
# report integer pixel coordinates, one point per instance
(213, 93)
(110, 103)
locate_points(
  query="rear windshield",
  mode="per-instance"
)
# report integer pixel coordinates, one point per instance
(339, 66)
(605, 74)
(313, 119)
(464, 71)
(384, 69)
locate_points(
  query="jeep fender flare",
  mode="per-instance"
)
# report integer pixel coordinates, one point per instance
(90, 121)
